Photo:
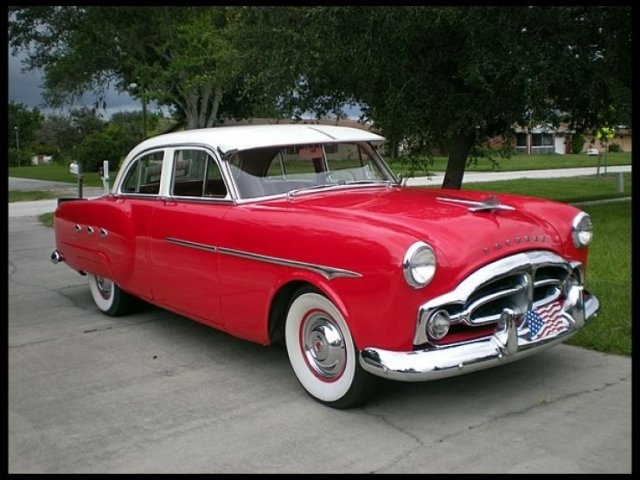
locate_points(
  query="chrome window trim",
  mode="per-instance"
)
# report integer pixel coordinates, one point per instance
(123, 173)
(171, 152)
(221, 158)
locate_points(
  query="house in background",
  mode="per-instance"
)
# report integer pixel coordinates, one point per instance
(559, 140)
(41, 160)
(623, 138)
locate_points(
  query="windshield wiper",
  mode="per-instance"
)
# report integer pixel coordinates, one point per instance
(292, 193)
(365, 182)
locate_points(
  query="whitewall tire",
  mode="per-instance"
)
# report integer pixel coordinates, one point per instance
(108, 297)
(322, 352)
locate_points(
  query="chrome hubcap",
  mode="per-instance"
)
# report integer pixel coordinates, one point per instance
(105, 286)
(324, 346)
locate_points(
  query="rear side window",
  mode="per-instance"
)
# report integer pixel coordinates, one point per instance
(144, 176)
(196, 174)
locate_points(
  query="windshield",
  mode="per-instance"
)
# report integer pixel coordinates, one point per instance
(268, 171)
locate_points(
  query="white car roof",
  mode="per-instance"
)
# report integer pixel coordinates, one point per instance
(245, 137)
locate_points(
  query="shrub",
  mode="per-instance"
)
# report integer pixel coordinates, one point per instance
(577, 143)
(25, 158)
(615, 147)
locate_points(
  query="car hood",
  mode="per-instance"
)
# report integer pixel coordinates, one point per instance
(445, 219)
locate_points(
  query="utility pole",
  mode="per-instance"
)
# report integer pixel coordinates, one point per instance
(17, 143)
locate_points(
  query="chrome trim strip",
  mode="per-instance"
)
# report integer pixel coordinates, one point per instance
(327, 272)
(491, 203)
(448, 361)
(322, 132)
(196, 245)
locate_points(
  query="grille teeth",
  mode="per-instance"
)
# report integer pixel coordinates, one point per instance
(516, 290)
(519, 282)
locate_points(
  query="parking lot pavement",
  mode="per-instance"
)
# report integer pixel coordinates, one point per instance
(156, 393)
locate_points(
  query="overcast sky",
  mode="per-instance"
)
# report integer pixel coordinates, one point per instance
(25, 88)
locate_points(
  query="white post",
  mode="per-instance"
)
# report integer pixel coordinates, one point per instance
(105, 176)
(17, 143)
(619, 182)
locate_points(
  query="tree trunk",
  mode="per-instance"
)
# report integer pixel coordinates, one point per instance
(457, 162)
(213, 115)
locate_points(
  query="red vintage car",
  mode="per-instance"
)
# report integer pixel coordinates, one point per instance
(302, 234)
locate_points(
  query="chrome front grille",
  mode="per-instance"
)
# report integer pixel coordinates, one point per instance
(518, 282)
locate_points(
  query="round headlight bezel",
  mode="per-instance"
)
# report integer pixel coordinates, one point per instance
(438, 325)
(419, 265)
(582, 230)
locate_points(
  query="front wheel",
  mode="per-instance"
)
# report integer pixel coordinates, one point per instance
(108, 297)
(322, 353)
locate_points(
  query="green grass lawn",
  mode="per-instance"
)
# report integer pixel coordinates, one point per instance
(56, 173)
(524, 162)
(571, 189)
(609, 279)
(23, 196)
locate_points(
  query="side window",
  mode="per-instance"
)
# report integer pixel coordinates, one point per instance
(196, 174)
(144, 176)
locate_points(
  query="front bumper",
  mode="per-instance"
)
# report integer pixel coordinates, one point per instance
(511, 343)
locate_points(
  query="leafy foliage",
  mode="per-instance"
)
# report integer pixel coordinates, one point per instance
(438, 77)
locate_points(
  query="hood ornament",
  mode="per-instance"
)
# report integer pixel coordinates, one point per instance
(488, 204)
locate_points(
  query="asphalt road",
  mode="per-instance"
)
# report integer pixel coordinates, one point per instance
(157, 393)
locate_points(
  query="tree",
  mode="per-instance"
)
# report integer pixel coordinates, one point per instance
(66, 132)
(445, 76)
(26, 121)
(23, 124)
(450, 75)
(177, 56)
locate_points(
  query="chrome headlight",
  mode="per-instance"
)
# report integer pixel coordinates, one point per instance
(582, 230)
(419, 265)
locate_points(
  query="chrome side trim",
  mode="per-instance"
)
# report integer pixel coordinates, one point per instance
(327, 272)
(196, 245)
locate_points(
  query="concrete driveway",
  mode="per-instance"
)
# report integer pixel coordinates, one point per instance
(156, 393)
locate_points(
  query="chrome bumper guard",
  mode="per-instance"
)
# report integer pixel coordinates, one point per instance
(510, 344)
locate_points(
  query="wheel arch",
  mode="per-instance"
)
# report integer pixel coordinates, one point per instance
(285, 294)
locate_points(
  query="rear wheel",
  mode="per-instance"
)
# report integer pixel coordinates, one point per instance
(108, 297)
(322, 353)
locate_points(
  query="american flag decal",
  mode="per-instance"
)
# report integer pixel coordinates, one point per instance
(544, 321)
